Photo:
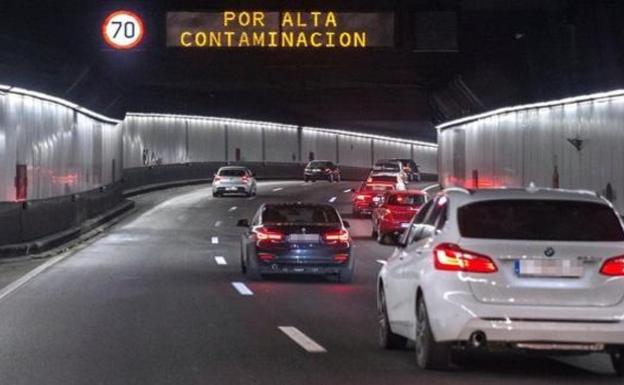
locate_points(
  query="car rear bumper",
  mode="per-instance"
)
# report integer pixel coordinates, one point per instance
(460, 315)
(304, 262)
(318, 176)
(536, 330)
(232, 189)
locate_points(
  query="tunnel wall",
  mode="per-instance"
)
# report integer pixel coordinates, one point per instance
(64, 149)
(156, 140)
(575, 143)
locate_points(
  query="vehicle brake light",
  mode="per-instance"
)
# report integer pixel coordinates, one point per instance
(450, 257)
(613, 267)
(336, 236)
(268, 237)
(265, 257)
(245, 179)
(216, 178)
(341, 258)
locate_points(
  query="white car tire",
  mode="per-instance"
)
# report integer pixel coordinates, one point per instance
(429, 353)
(386, 338)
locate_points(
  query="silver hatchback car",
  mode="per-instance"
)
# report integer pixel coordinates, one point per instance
(234, 180)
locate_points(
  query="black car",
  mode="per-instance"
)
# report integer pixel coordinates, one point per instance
(321, 169)
(297, 238)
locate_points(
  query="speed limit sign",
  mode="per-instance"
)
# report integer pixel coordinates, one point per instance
(123, 30)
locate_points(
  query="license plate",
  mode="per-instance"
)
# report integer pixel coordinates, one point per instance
(303, 238)
(231, 189)
(405, 225)
(566, 268)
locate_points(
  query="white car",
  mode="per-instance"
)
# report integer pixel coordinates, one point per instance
(234, 180)
(528, 269)
(390, 167)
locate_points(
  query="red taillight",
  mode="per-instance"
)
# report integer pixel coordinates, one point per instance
(265, 257)
(216, 178)
(268, 237)
(613, 267)
(341, 258)
(245, 179)
(336, 236)
(450, 257)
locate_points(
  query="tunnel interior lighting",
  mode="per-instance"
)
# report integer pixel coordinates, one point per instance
(597, 97)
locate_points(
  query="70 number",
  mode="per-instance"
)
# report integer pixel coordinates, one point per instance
(129, 29)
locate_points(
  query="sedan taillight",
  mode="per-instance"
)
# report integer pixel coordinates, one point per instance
(450, 257)
(268, 237)
(336, 236)
(613, 267)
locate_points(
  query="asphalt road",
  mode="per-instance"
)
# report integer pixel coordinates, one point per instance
(148, 303)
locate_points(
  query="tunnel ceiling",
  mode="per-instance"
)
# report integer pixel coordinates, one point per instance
(379, 90)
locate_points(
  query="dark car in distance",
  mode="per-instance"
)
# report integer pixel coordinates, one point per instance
(297, 238)
(321, 169)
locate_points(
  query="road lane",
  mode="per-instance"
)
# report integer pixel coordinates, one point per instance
(147, 304)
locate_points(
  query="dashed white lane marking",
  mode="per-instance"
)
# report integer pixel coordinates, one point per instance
(332, 199)
(30, 275)
(302, 340)
(381, 262)
(242, 288)
(347, 190)
(430, 187)
(220, 261)
(233, 208)
(278, 189)
(215, 240)
(218, 223)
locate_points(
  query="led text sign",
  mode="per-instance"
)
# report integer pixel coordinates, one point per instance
(236, 29)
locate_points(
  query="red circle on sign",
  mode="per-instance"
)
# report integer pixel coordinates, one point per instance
(115, 45)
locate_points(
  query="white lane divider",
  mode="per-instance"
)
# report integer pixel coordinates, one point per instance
(430, 187)
(278, 189)
(215, 240)
(220, 261)
(332, 199)
(30, 275)
(382, 262)
(347, 190)
(233, 208)
(218, 223)
(302, 340)
(242, 288)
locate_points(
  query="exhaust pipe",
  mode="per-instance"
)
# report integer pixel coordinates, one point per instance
(477, 340)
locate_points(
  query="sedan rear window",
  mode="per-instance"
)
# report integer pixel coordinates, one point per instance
(319, 165)
(406, 200)
(383, 178)
(547, 220)
(232, 172)
(386, 167)
(311, 215)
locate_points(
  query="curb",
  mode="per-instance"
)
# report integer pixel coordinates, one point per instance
(52, 241)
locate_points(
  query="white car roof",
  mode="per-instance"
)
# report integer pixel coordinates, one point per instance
(462, 196)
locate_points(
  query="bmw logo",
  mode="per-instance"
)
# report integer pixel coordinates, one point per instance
(549, 252)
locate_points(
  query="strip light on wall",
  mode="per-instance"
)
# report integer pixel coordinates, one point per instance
(53, 99)
(609, 95)
(371, 136)
(211, 119)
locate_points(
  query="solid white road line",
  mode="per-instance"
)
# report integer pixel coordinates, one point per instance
(302, 340)
(30, 275)
(215, 240)
(332, 199)
(381, 262)
(220, 261)
(430, 187)
(218, 223)
(233, 208)
(242, 288)
(278, 189)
